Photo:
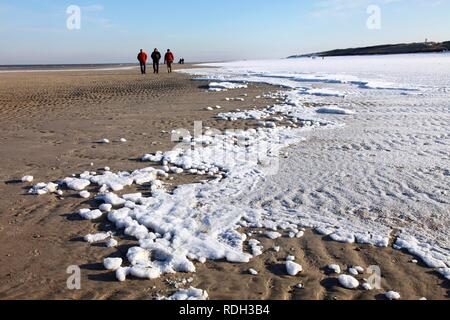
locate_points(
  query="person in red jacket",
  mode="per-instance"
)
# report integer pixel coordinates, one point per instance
(142, 58)
(169, 59)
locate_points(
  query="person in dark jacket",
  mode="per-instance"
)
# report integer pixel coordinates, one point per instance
(142, 58)
(156, 57)
(169, 58)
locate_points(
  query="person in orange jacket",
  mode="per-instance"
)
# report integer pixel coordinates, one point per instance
(142, 58)
(169, 58)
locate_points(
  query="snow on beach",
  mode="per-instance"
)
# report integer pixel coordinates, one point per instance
(352, 193)
(406, 166)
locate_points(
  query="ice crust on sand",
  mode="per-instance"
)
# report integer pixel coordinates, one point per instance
(413, 76)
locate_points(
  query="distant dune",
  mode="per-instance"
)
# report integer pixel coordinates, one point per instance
(422, 47)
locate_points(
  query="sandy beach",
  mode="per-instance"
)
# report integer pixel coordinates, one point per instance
(50, 127)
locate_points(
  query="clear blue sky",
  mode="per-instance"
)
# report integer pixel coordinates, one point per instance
(34, 31)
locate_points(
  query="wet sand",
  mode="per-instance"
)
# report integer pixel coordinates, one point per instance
(50, 125)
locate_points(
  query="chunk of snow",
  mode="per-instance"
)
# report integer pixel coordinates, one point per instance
(112, 199)
(27, 179)
(220, 86)
(112, 243)
(98, 237)
(134, 197)
(43, 188)
(137, 231)
(273, 235)
(343, 237)
(84, 194)
(353, 271)
(51, 187)
(143, 272)
(189, 294)
(359, 269)
(106, 207)
(293, 268)
(367, 286)
(348, 282)
(122, 273)
(334, 268)
(138, 256)
(88, 214)
(253, 272)
(158, 157)
(392, 295)
(76, 184)
(112, 264)
(290, 258)
(256, 248)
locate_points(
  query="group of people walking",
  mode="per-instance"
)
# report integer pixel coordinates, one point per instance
(156, 56)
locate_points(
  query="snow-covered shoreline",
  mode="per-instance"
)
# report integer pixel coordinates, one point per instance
(194, 223)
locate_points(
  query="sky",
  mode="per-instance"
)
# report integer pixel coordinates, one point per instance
(112, 31)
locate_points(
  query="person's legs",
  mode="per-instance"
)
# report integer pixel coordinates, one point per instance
(169, 67)
(142, 68)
